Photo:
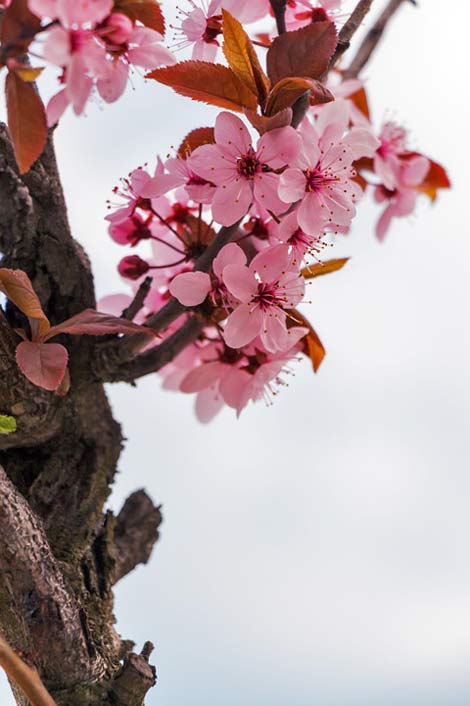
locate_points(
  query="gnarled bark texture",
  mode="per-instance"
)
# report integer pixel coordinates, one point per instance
(60, 554)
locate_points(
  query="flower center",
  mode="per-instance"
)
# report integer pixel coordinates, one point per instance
(213, 28)
(267, 296)
(248, 165)
(317, 180)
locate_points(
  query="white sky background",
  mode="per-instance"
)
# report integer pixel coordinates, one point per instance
(315, 552)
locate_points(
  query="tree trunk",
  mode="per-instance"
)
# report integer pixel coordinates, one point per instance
(60, 554)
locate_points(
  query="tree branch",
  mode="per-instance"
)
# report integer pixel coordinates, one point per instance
(24, 676)
(373, 37)
(138, 302)
(156, 358)
(135, 533)
(349, 29)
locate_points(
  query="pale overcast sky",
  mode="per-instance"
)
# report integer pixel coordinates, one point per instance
(315, 552)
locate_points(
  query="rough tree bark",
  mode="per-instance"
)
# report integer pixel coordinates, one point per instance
(60, 552)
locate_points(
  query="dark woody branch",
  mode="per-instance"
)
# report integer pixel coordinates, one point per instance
(373, 37)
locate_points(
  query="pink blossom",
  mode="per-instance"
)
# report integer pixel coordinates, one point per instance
(200, 28)
(143, 48)
(268, 371)
(131, 193)
(265, 289)
(130, 231)
(178, 173)
(241, 173)
(322, 178)
(393, 139)
(300, 242)
(409, 175)
(300, 13)
(82, 58)
(72, 12)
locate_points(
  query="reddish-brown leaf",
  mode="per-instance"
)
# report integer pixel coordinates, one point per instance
(264, 123)
(26, 120)
(96, 323)
(288, 90)
(436, 178)
(242, 57)
(359, 98)
(44, 364)
(304, 52)
(148, 12)
(209, 83)
(324, 268)
(312, 345)
(17, 287)
(194, 139)
(18, 27)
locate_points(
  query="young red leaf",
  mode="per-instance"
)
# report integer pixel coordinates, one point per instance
(196, 138)
(26, 120)
(312, 346)
(359, 98)
(148, 12)
(242, 57)
(264, 123)
(96, 323)
(18, 26)
(17, 287)
(304, 52)
(288, 90)
(209, 83)
(44, 364)
(324, 268)
(435, 179)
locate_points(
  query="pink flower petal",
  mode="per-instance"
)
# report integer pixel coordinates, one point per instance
(203, 376)
(209, 402)
(190, 288)
(243, 325)
(240, 282)
(231, 254)
(231, 201)
(232, 134)
(279, 147)
(292, 185)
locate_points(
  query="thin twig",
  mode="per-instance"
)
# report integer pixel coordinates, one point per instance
(24, 676)
(373, 38)
(137, 303)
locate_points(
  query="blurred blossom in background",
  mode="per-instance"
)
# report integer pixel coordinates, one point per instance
(315, 552)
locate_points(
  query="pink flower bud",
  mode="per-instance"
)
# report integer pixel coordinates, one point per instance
(133, 267)
(117, 28)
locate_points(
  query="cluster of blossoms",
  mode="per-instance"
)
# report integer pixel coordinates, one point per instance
(288, 190)
(276, 200)
(94, 45)
(201, 25)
